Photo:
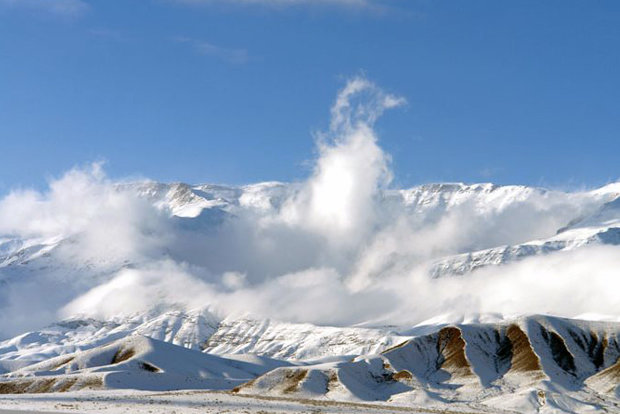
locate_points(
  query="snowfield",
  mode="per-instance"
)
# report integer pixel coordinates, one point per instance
(196, 402)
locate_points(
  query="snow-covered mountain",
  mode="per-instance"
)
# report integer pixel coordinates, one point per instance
(563, 221)
(244, 246)
(201, 331)
(586, 216)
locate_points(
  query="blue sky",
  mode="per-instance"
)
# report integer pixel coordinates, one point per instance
(514, 92)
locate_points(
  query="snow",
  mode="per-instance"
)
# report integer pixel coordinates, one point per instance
(201, 330)
(536, 363)
(198, 402)
(450, 361)
(138, 362)
(297, 341)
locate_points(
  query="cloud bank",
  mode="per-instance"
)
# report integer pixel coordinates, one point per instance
(342, 247)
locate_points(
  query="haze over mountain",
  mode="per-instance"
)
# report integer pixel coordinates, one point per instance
(341, 264)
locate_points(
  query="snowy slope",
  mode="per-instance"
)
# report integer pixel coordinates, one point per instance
(534, 364)
(531, 364)
(595, 231)
(135, 362)
(297, 341)
(200, 330)
(189, 330)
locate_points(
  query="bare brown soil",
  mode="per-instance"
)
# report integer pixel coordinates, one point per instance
(293, 379)
(451, 346)
(148, 367)
(609, 376)
(524, 359)
(66, 384)
(33, 386)
(123, 354)
(402, 375)
(53, 384)
(332, 381)
(385, 351)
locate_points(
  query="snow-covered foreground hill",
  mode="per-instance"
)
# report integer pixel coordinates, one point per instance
(532, 364)
(535, 364)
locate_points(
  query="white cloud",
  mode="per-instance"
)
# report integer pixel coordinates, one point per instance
(230, 55)
(65, 8)
(336, 250)
(339, 200)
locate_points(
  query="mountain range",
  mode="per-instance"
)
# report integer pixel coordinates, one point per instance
(219, 239)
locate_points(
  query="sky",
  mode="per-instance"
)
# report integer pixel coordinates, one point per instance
(236, 91)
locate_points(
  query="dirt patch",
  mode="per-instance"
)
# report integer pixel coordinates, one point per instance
(451, 347)
(94, 383)
(403, 375)
(608, 378)
(613, 372)
(122, 354)
(54, 384)
(65, 385)
(524, 359)
(288, 383)
(14, 387)
(27, 386)
(332, 381)
(390, 349)
(292, 380)
(42, 385)
(148, 367)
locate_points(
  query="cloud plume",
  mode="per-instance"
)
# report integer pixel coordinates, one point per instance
(341, 247)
